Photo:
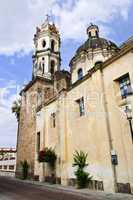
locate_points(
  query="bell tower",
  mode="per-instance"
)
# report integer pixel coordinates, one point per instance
(46, 58)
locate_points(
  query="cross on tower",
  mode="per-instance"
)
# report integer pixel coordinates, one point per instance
(47, 18)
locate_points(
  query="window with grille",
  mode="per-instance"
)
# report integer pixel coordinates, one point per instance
(53, 118)
(125, 86)
(81, 106)
(80, 74)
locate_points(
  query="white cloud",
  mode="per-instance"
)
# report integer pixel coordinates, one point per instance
(8, 123)
(72, 21)
(19, 19)
(8, 128)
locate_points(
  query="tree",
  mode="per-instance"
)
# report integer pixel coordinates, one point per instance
(16, 108)
(2, 154)
(82, 176)
(25, 168)
(48, 155)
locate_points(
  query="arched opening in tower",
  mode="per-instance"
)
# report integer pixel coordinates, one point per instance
(52, 67)
(52, 45)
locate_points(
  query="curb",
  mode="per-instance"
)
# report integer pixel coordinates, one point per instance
(80, 192)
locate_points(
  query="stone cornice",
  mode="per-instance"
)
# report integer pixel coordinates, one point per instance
(126, 48)
(54, 98)
(37, 78)
(45, 51)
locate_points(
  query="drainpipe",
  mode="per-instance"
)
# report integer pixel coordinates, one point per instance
(108, 128)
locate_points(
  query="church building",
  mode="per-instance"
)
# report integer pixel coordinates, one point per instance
(88, 109)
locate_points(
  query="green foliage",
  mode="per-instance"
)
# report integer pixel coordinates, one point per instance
(2, 153)
(82, 177)
(16, 108)
(25, 168)
(47, 155)
(80, 159)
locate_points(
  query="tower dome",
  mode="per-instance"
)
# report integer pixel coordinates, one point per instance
(94, 49)
(95, 42)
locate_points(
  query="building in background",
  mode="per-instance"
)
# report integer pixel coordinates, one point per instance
(7, 161)
(85, 109)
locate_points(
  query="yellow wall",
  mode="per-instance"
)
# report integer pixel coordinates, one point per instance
(101, 130)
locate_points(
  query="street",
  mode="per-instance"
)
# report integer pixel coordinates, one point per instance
(12, 189)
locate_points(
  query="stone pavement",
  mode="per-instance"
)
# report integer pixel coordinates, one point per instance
(99, 195)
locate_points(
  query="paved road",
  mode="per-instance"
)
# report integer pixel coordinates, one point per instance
(12, 189)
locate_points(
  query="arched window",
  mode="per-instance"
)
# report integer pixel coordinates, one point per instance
(98, 63)
(43, 43)
(52, 45)
(80, 74)
(52, 67)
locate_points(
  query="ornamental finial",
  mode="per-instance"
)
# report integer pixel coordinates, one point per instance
(47, 18)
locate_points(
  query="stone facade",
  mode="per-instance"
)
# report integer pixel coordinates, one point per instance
(98, 127)
(27, 123)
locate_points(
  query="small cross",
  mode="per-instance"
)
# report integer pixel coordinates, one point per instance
(47, 18)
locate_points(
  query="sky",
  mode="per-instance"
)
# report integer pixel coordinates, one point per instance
(18, 22)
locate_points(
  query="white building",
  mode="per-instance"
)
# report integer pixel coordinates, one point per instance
(7, 161)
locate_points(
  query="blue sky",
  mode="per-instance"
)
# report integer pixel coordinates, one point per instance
(18, 22)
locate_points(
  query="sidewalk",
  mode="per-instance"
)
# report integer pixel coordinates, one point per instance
(80, 192)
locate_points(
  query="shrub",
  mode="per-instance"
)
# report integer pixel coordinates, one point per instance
(80, 159)
(47, 155)
(82, 177)
(25, 168)
(41, 156)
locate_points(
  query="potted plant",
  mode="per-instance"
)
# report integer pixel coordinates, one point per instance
(49, 156)
(82, 177)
